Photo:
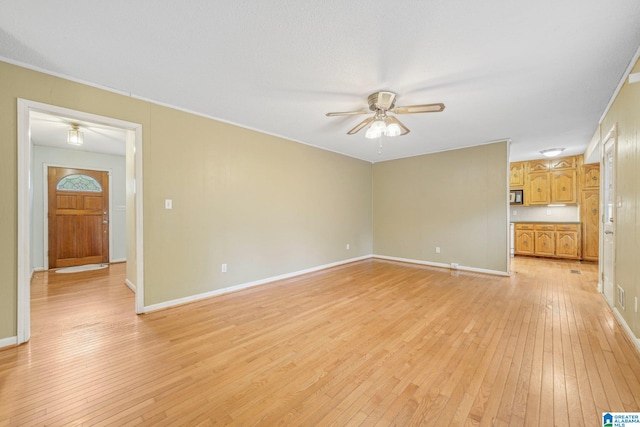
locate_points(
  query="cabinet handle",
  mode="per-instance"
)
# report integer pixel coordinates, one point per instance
(595, 211)
(594, 178)
(539, 190)
(564, 188)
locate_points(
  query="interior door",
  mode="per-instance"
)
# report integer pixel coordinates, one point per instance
(78, 217)
(609, 239)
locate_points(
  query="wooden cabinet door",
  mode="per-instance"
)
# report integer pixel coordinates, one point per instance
(537, 191)
(516, 174)
(567, 244)
(563, 187)
(541, 165)
(545, 243)
(591, 176)
(563, 163)
(524, 242)
(590, 215)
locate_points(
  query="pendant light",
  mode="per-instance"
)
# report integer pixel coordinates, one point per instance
(75, 136)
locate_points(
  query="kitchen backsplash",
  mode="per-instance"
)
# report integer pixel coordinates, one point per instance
(545, 213)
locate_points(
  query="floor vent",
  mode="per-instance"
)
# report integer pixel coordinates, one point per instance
(575, 272)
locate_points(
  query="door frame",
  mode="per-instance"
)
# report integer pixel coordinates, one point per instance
(612, 136)
(25, 203)
(45, 194)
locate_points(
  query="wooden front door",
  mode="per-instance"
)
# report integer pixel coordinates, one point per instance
(78, 217)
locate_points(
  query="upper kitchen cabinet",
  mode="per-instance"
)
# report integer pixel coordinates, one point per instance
(536, 191)
(591, 176)
(563, 187)
(551, 181)
(516, 175)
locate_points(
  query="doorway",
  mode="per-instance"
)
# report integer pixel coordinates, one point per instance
(78, 216)
(607, 263)
(134, 205)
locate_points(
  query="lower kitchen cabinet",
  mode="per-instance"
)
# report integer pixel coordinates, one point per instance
(547, 240)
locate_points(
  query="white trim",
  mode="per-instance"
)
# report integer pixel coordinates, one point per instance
(138, 187)
(45, 195)
(443, 265)
(235, 288)
(620, 84)
(25, 196)
(130, 285)
(627, 329)
(116, 261)
(6, 342)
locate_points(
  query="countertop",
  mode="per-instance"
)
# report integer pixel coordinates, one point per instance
(545, 222)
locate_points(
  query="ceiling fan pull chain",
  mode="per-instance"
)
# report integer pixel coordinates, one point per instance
(380, 147)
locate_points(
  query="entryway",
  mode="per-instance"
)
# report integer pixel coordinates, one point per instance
(84, 212)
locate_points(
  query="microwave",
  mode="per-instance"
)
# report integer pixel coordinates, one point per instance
(516, 197)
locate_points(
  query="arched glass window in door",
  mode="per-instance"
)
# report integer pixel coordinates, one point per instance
(79, 182)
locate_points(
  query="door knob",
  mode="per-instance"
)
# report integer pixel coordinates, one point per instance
(105, 222)
(608, 232)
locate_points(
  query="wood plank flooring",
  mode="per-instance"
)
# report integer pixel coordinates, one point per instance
(373, 343)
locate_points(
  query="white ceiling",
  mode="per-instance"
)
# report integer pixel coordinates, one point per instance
(539, 73)
(51, 131)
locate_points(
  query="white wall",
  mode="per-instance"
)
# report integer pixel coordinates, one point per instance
(79, 159)
(545, 213)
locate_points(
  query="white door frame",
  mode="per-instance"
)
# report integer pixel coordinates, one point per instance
(25, 202)
(45, 195)
(605, 230)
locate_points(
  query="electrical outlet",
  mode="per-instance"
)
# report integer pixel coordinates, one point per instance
(548, 211)
(224, 268)
(454, 265)
(636, 303)
(168, 204)
(347, 246)
(437, 249)
(514, 212)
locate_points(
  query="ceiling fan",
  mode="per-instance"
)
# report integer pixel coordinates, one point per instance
(382, 123)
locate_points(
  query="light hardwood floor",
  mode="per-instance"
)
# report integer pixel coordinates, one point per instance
(369, 343)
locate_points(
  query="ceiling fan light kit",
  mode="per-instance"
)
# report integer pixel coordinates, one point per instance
(382, 123)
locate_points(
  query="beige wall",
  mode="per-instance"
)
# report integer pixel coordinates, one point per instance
(456, 200)
(625, 112)
(263, 205)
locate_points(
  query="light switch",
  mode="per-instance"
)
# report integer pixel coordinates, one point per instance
(168, 204)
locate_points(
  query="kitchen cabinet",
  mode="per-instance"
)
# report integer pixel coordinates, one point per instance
(536, 191)
(567, 243)
(551, 182)
(563, 187)
(524, 240)
(545, 240)
(516, 175)
(591, 176)
(590, 216)
(552, 240)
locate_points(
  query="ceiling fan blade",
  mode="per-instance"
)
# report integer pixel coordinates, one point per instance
(391, 119)
(360, 125)
(423, 108)
(347, 113)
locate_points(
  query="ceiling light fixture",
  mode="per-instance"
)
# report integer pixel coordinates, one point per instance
(75, 136)
(551, 152)
(380, 126)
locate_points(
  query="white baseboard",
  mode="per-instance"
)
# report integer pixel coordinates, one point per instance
(130, 285)
(443, 265)
(6, 342)
(115, 261)
(627, 329)
(185, 300)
